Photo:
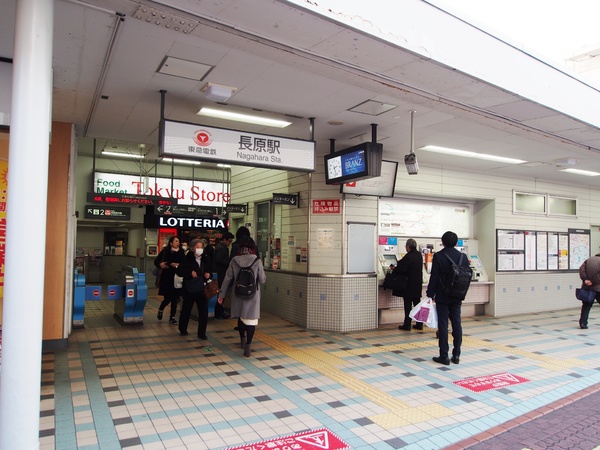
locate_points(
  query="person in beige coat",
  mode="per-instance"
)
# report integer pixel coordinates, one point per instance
(247, 309)
(589, 272)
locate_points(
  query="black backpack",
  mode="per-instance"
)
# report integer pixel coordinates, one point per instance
(457, 280)
(245, 284)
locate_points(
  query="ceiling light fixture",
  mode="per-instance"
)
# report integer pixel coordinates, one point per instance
(122, 155)
(246, 118)
(467, 154)
(586, 173)
(182, 161)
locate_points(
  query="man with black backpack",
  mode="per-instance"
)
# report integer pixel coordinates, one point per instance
(448, 285)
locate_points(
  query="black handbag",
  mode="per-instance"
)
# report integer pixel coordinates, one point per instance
(585, 295)
(396, 282)
(193, 285)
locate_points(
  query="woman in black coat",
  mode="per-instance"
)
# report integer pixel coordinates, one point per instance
(411, 265)
(195, 270)
(168, 261)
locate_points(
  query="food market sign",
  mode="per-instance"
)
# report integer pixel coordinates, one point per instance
(186, 192)
(202, 143)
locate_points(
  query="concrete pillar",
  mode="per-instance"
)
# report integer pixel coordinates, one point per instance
(31, 112)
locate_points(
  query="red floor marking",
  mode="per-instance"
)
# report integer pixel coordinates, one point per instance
(487, 382)
(321, 439)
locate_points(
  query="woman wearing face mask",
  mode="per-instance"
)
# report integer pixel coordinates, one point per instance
(168, 260)
(195, 270)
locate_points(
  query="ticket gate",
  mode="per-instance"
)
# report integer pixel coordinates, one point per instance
(81, 293)
(130, 296)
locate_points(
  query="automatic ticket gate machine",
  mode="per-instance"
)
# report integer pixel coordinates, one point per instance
(130, 296)
(82, 293)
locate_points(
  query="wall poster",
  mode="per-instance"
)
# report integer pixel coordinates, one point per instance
(579, 247)
(525, 250)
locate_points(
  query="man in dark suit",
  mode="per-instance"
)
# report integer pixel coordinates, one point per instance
(410, 265)
(446, 307)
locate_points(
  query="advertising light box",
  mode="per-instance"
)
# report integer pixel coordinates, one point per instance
(187, 192)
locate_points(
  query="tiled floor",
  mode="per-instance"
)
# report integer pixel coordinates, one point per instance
(147, 387)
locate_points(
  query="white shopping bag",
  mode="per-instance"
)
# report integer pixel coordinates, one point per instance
(425, 312)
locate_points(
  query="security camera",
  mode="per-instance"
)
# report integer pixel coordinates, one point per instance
(412, 166)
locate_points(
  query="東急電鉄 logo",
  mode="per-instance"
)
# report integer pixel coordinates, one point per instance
(203, 138)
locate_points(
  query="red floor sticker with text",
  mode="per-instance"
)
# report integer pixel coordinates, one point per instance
(487, 382)
(321, 439)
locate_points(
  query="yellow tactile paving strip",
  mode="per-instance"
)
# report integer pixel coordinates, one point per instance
(399, 413)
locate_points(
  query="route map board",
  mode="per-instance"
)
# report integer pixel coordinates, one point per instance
(420, 219)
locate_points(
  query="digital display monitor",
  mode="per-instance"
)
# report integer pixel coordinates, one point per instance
(381, 186)
(353, 163)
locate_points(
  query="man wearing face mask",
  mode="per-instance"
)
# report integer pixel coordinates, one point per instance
(184, 247)
(195, 270)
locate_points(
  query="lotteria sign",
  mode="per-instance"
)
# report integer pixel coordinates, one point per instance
(187, 192)
(204, 143)
(208, 223)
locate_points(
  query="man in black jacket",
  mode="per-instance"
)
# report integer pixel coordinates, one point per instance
(446, 307)
(410, 265)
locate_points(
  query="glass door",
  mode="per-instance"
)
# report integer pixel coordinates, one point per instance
(263, 220)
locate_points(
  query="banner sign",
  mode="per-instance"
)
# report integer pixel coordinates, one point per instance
(231, 208)
(286, 199)
(203, 223)
(129, 199)
(202, 143)
(187, 210)
(113, 212)
(330, 206)
(187, 192)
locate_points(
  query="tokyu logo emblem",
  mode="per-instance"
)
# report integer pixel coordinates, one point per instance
(203, 138)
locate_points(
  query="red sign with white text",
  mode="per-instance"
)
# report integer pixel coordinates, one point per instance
(488, 382)
(323, 206)
(321, 439)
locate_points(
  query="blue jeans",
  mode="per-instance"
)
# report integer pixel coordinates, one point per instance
(449, 311)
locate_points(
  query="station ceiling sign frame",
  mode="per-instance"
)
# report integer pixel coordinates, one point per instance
(221, 145)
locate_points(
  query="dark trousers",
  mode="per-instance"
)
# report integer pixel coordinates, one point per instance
(585, 311)
(409, 302)
(449, 311)
(171, 298)
(186, 311)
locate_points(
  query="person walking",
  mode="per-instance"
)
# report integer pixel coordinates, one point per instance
(447, 307)
(167, 262)
(246, 309)
(410, 265)
(589, 272)
(220, 265)
(195, 273)
(241, 234)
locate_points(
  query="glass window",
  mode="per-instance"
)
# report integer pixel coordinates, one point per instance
(524, 202)
(562, 206)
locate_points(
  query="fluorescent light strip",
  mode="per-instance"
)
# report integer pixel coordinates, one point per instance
(586, 173)
(246, 118)
(182, 161)
(466, 154)
(122, 155)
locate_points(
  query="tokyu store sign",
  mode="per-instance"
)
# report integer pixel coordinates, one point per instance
(203, 143)
(187, 192)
